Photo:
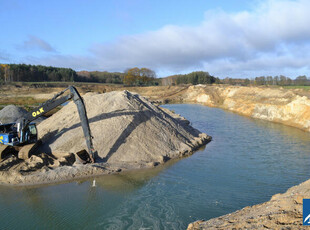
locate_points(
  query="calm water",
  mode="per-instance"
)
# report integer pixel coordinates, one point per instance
(246, 163)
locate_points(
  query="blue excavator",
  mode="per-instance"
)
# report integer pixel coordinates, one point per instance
(22, 136)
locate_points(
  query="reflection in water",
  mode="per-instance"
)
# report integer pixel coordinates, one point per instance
(290, 134)
(132, 180)
(247, 162)
(45, 203)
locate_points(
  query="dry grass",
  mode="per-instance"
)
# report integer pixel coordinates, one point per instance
(306, 87)
(25, 102)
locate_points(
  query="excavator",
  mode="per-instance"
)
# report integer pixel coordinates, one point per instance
(22, 136)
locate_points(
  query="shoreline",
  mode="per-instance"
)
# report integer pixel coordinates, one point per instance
(282, 211)
(285, 106)
(66, 174)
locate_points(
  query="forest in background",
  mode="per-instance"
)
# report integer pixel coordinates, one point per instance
(39, 73)
(132, 77)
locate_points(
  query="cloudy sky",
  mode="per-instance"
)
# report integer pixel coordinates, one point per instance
(234, 38)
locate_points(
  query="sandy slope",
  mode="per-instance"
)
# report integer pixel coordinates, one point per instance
(272, 104)
(283, 211)
(128, 132)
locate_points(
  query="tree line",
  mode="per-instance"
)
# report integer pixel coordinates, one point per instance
(194, 78)
(131, 77)
(34, 73)
(100, 77)
(269, 80)
(39, 73)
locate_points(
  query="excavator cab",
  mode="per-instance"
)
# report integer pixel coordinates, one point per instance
(7, 133)
(10, 134)
(13, 137)
(31, 135)
(24, 133)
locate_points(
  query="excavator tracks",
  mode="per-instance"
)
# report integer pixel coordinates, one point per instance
(3, 151)
(27, 150)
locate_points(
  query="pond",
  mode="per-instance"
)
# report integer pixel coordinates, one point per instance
(246, 163)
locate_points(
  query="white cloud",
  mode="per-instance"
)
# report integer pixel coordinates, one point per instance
(272, 39)
(35, 43)
(244, 42)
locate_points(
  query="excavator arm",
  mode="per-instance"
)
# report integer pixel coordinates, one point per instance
(57, 100)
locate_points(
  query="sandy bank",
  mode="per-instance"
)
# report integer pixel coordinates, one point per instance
(283, 211)
(272, 104)
(287, 106)
(128, 133)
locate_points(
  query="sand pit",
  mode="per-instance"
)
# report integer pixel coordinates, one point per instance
(128, 132)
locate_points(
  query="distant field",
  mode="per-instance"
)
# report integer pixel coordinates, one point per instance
(23, 93)
(307, 87)
(26, 102)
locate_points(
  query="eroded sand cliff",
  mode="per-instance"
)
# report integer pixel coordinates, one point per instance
(273, 104)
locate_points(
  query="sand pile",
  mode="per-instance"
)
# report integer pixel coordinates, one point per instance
(128, 133)
(125, 128)
(11, 113)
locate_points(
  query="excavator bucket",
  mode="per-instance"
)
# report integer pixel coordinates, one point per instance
(28, 150)
(84, 157)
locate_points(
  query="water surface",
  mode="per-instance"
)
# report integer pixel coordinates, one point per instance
(246, 163)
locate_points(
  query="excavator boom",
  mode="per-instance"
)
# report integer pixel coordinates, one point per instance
(57, 100)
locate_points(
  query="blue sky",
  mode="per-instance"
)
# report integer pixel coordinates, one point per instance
(226, 38)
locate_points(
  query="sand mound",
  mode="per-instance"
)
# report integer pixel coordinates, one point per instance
(126, 128)
(129, 133)
(11, 113)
